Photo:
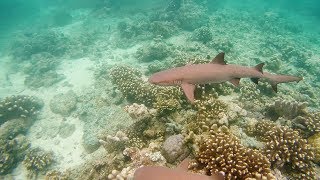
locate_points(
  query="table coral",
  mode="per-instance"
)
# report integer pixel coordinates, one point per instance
(222, 152)
(20, 106)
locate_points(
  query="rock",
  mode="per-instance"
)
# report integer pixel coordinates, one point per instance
(64, 104)
(66, 129)
(174, 149)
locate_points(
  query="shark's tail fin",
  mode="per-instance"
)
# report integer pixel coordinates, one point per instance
(275, 79)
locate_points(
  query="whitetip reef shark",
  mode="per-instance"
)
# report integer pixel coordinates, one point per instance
(217, 71)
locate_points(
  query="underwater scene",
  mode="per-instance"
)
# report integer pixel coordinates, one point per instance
(159, 90)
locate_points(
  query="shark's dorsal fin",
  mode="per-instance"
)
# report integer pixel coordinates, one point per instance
(259, 67)
(235, 81)
(188, 90)
(219, 59)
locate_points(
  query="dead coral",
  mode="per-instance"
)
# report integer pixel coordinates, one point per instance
(222, 152)
(310, 122)
(286, 108)
(285, 148)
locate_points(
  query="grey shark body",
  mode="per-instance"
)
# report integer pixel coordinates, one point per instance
(217, 71)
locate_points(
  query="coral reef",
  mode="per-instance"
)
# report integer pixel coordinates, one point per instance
(56, 175)
(41, 70)
(314, 141)
(156, 50)
(286, 109)
(310, 123)
(114, 143)
(285, 148)
(221, 152)
(139, 111)
(64, 103)
(202, 34)
(130, 83)
(191, 16)
(174, 148)
(27, 44)
(37, 161)
(12, 152)
(20, 106)
(210, 111)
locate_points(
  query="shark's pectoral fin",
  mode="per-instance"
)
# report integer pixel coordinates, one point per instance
(219, 59)
(235, 81)
(188, 90)
(184, 165)
(274, 86)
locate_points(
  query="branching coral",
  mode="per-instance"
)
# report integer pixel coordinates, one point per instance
(285, 148)
(222, 152)
(130, 83)
(37, 161)
(20, 106)
(12, 152)
(210, 111)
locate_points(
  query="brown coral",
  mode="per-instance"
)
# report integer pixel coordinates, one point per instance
(221, 152)
(285, 148)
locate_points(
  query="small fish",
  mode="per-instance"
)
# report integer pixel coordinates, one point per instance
(217, 71)
(178, 173)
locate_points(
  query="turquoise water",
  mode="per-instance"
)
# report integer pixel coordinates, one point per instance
(75, 102)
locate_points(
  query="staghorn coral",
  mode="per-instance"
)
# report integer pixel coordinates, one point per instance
(285, 148)
(20, 106)
(222, 152)
(37, 161)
